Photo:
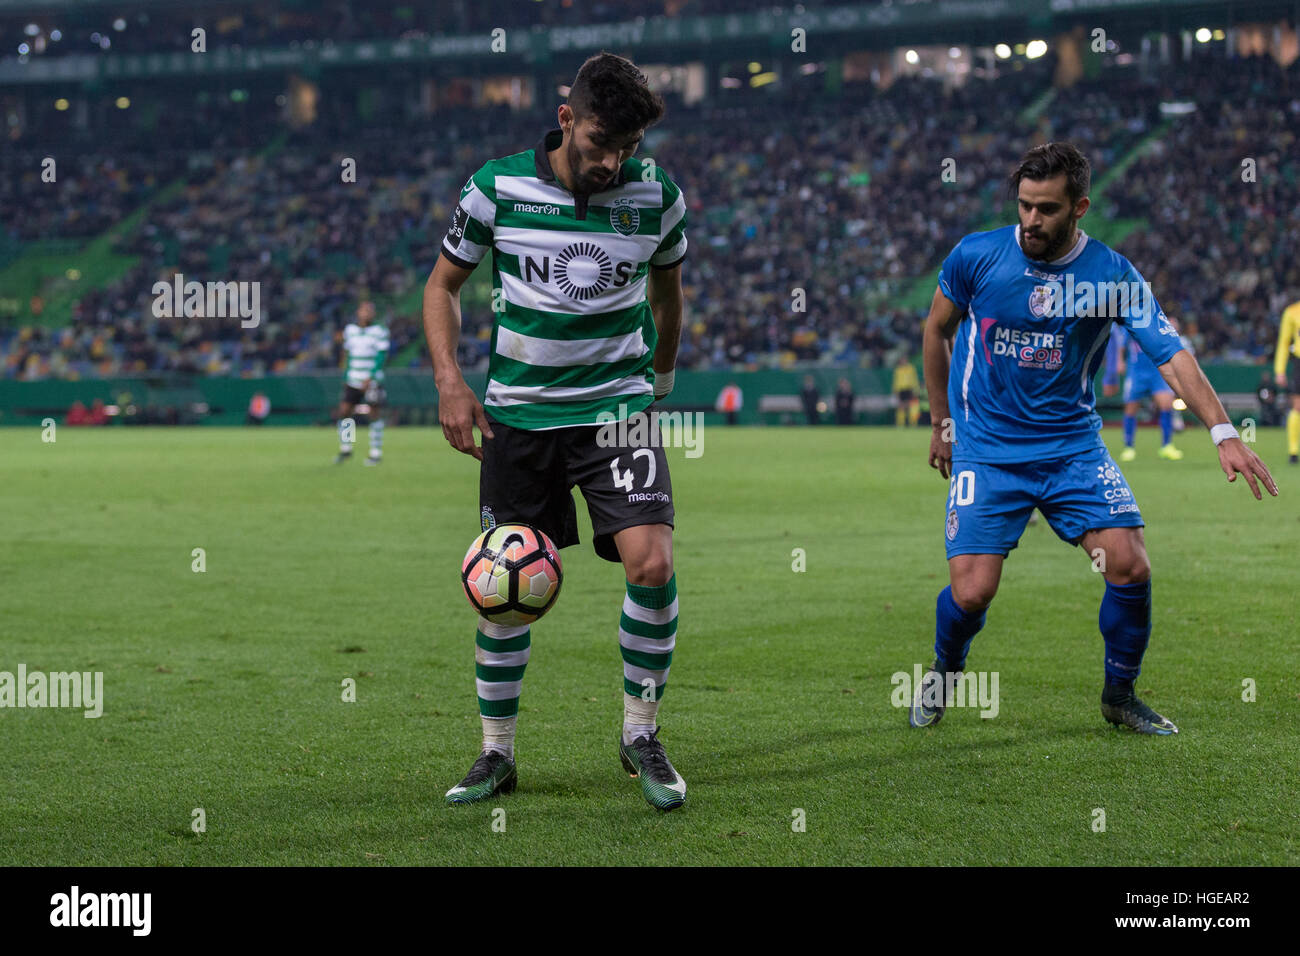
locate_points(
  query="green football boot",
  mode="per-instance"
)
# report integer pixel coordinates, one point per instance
(661, 785)
(493, 772)
(1121, 707)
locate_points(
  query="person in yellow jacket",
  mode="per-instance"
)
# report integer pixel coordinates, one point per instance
(906, 389)
(1286, 372)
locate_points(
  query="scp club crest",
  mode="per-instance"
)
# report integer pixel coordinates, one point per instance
(624, 217)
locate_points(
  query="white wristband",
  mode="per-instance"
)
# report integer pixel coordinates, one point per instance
(1221, 433)
(664, 382)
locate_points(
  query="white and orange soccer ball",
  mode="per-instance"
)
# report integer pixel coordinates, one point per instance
(512, 574)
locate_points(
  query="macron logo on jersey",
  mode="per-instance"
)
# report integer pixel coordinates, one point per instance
(1045, 350)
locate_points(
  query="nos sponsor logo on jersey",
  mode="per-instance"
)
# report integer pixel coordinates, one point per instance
(582, 270)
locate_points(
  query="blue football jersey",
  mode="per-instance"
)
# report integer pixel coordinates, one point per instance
(1034, 334)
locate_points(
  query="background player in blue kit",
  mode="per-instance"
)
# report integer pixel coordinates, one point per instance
(1021, 318)
(1125, 360)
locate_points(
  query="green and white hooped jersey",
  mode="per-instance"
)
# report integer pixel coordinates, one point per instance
(367, 348)
(573, 335)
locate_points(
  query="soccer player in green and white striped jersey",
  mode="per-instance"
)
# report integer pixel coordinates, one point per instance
(586, 245)
(366, 344)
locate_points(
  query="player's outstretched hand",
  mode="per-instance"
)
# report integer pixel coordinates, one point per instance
(459, 411)
(940, 450)
(1235, 457)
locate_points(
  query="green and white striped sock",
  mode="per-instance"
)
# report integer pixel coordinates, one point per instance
(500, 657)
(647, 634)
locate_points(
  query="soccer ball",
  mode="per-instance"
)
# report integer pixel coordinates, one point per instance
(512, 574)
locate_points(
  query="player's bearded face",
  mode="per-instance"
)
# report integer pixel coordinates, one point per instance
(1044, 242)
(593, 161)
(1047, 219)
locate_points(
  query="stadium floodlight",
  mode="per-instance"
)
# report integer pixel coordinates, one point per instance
(60, 104)
(119, 24)
(1203, 35)
(1002, 51)
(954, 52)
(23, 49)
(1035, 48)
(31, 30)
(56, 35)
(123, 102)
(912, 57)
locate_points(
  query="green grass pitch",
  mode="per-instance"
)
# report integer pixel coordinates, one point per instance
(223, 689)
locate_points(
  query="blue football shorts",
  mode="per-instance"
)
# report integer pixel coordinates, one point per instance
(1146, 381)
(990, 504)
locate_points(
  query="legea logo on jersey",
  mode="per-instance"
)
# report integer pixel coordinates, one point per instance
(582, 270)
(1045, 350)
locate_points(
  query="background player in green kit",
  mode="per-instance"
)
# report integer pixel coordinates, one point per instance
(587, 245)
(366, 344)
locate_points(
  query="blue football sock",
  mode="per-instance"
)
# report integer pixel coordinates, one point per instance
(954, 630)
(1125, 622)
(1166, 426)
(1130, 430)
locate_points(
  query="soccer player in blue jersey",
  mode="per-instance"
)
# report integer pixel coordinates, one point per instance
(1125, 359)
(1021, 318)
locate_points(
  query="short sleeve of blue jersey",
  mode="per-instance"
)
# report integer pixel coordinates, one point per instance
(954, 278)
(1145, 320)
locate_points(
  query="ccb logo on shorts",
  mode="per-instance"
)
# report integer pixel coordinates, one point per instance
(951, 527)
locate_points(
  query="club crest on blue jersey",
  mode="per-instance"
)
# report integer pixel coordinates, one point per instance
(486, 519)
(951, 527)
(1042, 301)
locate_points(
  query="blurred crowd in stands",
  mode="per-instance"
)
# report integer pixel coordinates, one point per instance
(811, 218)
(97, 29)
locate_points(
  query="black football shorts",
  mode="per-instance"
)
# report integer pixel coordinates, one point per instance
(374, 395)
(529, 477)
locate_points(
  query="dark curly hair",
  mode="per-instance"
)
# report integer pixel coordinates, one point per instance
(613, 92)
(1050, 160)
